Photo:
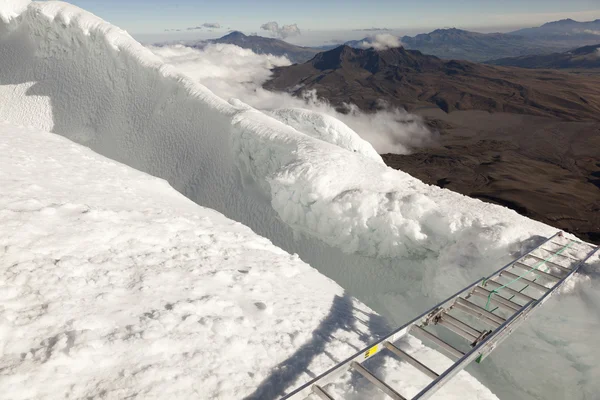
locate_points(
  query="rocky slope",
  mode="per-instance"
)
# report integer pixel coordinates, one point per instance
(410, 79)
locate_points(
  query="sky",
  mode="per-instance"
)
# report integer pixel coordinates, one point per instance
(144, 17)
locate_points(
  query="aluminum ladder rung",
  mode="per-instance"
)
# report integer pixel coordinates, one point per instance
(319, 391)
(537, 271)
(563, 245)
(535, 285)
(443, 345)
(478, 312)
(496, 298)
(384, 387)
(457, 329)
(464, 326)
(411, 360)
(550, 263)
(560, 255)
(509, 290)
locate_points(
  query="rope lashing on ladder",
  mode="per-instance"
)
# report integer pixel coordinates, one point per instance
(534, 268)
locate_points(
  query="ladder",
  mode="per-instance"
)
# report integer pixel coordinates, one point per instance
(497, 308)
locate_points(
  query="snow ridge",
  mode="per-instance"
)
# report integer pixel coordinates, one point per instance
(108, 92)
(112, 282)
(303, 181)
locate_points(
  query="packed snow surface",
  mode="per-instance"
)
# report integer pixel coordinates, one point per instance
(114, 285)
(304, 181)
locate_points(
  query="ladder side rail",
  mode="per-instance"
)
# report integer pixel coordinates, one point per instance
(328, 376)
(538, 247)
(367, 352)
(460, 364)
(546, 296)
(539, 302)
(486, 346)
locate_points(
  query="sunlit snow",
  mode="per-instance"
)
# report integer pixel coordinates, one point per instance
(301, 179)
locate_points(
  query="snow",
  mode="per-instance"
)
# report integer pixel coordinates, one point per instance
(232, 72)
(324, 127)
(299, 178)
(116, 285)
(9, 9)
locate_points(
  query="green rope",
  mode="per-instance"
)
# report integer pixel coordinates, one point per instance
(534, 268)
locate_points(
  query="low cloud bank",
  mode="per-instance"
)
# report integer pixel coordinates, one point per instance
(232, 72)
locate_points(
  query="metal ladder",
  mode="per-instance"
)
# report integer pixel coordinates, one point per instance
(496, 316)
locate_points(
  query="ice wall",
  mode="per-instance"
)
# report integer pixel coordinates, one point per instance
(70, 72)
(113, 285)
(394, 242)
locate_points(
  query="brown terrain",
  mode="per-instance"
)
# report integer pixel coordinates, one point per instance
(525, 139)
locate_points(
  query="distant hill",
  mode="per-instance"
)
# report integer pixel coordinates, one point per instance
(473, 46)
(565, 33)
(263, 45)
(583, 57)
(410, 79)
(458, 44)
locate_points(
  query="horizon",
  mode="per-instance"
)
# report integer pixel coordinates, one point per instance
(326, 21)
(326, 37)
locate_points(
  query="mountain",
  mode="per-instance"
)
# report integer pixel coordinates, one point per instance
(465, 45)
(473, 46)
(410, 79)
(565, 33)
(107, 269)
(95, 255)
(525, 139)
(478, 47)
(583, 57)
(263, 45)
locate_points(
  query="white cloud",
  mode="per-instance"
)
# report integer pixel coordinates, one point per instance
(592, 32)
(281, 32)
(372, 29)
(232, 72)
(381, 41)
(211, 25)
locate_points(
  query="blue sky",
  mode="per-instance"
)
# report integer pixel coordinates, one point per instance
(154, 16)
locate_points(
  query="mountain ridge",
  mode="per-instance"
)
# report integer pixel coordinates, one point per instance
(455, 43)
(583, 57)
(410, 79)
(263, 45)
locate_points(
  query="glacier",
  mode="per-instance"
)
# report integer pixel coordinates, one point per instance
(114, 285)
(306, 182)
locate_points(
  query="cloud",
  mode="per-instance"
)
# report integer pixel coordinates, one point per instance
(371, 29)
(281, 32)
(214, 25)
(592, 32)
(194, 28)
(381, 41)
(598, 52)
(232, 72)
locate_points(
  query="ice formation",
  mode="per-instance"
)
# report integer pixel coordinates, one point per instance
(300, 179)
(114, 285)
